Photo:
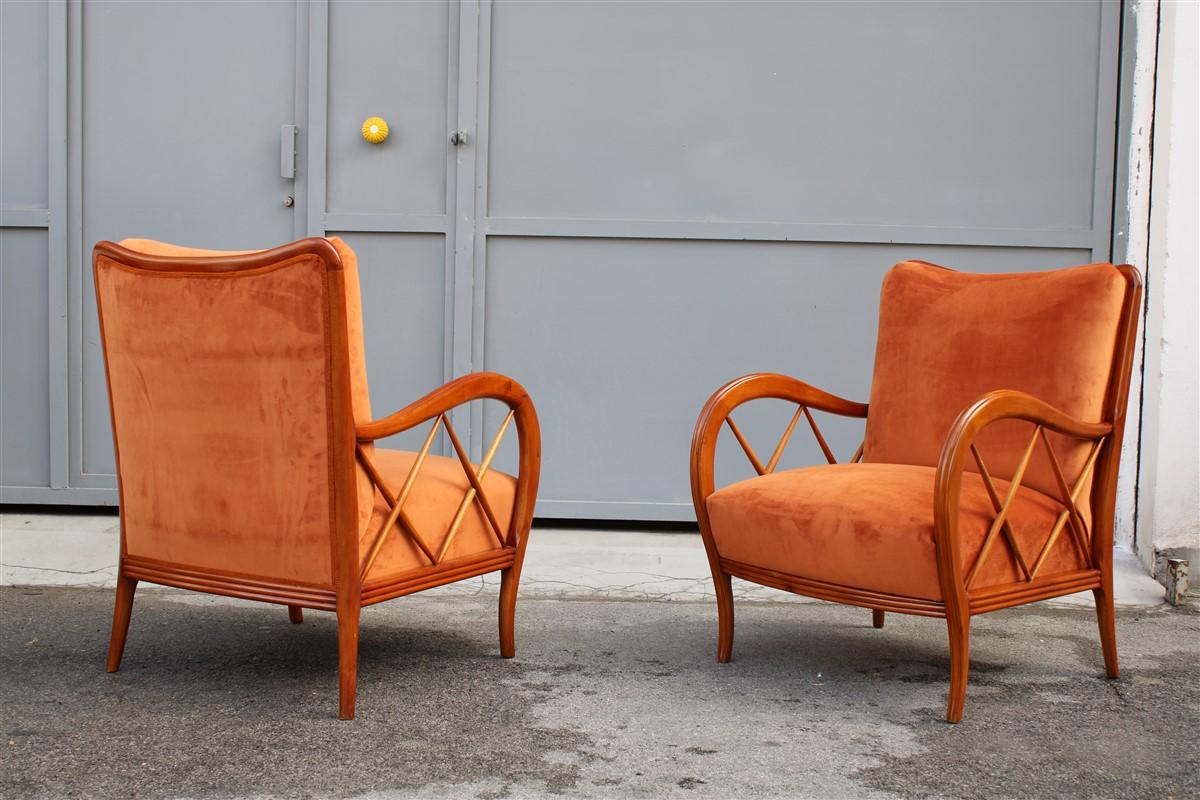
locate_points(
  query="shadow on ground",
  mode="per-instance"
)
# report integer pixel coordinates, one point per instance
(605, 699)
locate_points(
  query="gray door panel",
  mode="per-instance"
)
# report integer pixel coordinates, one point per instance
(392, 201)
(24, 248)
(24, 359)
(24, 76)
(388, 60)
(941, 114)
(403, 279)
(181, 142)
(620, 342)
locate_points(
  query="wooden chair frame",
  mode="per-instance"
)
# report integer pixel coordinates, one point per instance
(960, 600)
(351, 588)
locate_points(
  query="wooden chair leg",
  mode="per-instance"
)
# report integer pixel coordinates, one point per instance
(509, 578)
(1106, 617)
(347, 661)
(960, 663)
(295, 614)
(122, 608)
(724, 588)
(877, 617)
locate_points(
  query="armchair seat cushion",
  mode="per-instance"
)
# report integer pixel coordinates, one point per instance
(431, 505)
(870, 526)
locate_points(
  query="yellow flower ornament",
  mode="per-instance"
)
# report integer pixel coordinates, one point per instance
(374, 129)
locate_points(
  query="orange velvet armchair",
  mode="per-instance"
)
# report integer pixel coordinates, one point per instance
(246, 454)
(987, 474)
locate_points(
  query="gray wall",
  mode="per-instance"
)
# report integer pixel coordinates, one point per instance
(653, 197)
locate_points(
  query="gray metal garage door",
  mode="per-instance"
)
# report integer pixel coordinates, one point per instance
(652, 198)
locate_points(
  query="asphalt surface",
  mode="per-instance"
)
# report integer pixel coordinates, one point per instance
(606, 699)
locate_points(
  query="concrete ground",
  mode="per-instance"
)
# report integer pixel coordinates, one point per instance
(614, 691)
(221, 698)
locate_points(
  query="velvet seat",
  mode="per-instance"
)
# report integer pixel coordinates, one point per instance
(245, 444)
(869, 525)
(987, 473)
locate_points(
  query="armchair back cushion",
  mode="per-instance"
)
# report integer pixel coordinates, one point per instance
(947, 337)
(220, 389)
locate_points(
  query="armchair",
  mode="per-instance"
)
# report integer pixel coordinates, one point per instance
(245, 449)
(987, 474)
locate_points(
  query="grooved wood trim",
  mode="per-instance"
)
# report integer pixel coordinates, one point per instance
(436, 575)
(994, 598)
(230, 584)
(832, 591)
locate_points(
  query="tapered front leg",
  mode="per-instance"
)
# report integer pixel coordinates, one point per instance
(295, 614)
(509, 578)
(960, 663)
(347, 660)
(877, 616)
(724, 588)
(1107, 619)
(122, 609)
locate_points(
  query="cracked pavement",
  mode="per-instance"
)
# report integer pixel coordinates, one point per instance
(220, 698)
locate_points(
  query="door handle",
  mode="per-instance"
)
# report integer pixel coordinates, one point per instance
(287, 151)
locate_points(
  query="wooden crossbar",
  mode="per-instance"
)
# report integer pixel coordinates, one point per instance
(781, 445)
(397, 517)
(471, 493)
(474, 480)
(1002, 513)
(1070, 518)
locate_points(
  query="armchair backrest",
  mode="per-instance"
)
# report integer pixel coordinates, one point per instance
(234, 378)
(946, 338)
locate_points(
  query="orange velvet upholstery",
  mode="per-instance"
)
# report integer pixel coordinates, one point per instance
(947, 337)
(219, 388)
(434, 498)
(870, 526)
(431, 505)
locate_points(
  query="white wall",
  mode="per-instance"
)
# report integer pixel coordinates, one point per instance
(1168, 502)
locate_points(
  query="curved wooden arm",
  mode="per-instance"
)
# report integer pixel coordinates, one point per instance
(478, 386)
(475, 386)
(742, 390)
(1003, 404)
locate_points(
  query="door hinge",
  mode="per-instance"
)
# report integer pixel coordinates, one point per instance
(287, 151)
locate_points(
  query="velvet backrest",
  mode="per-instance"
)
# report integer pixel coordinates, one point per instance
(947, 337)
(231, 404)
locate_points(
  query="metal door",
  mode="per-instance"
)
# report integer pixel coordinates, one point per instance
(180, 112)
(392, 201)
(671, 195)
(651, 197)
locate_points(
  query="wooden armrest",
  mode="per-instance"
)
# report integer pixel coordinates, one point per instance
(754, 387)
(1004, 404)
(475, 386)
(993, 407)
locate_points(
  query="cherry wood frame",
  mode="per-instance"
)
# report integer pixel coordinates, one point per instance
(349, 590)
(959, 600)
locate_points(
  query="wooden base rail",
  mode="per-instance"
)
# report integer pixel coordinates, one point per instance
(994, 598)
(229, 584)
(834, 592)
(428, 577)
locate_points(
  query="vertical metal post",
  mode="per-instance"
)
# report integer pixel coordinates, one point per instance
(56, 132)
(466, 208)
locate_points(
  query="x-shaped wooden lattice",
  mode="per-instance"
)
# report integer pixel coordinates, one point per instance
(1070, 517)
(396, 513)
(773, 462)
